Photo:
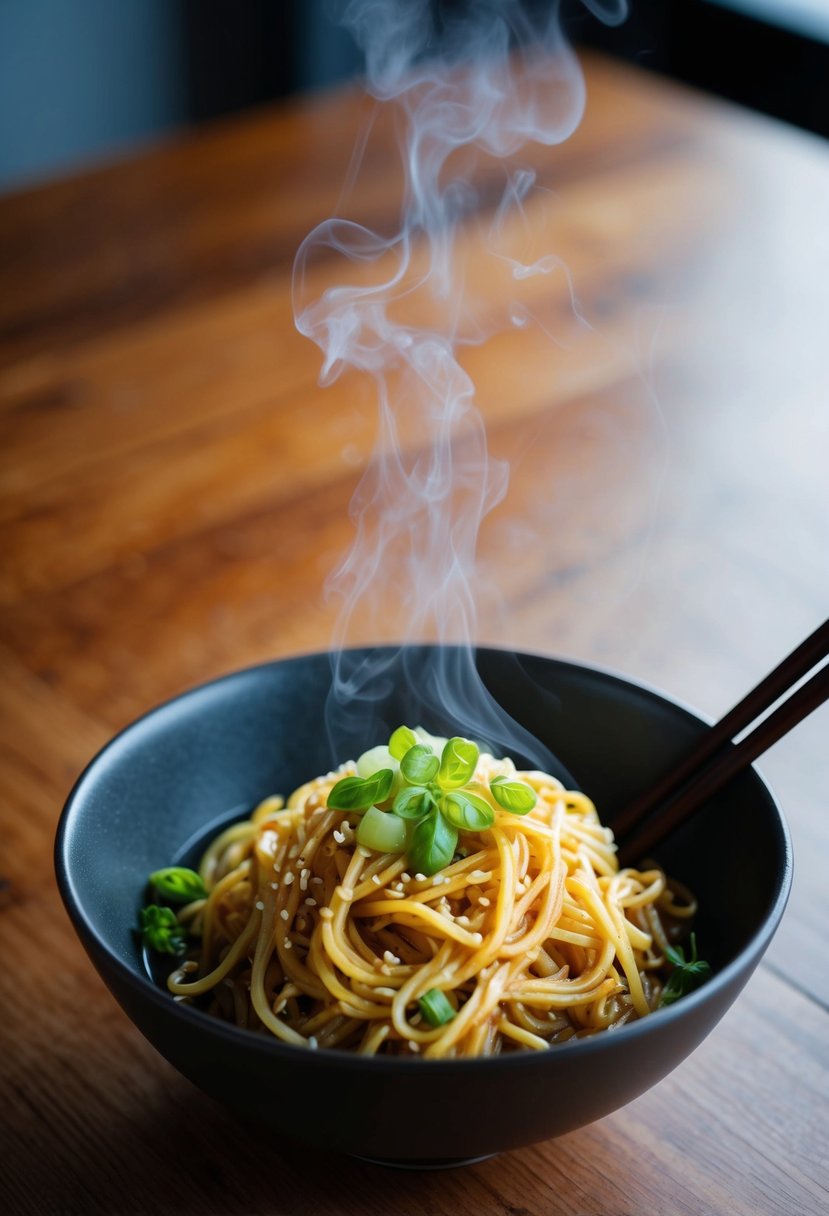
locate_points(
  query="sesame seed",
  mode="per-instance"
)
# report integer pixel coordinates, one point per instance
(462, 920)
(285, 914)
(310, 903)
(260, 906)
(390, 958)
(420, 877)
(478, 875)
(316, 879)
(404, 877)
(375, 878)
(415, 1047)
(274, 886)
(483, 901)
(312, 1042)
(288, 879)
(288, 944)
(339, 837)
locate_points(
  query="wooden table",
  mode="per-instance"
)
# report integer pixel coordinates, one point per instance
(175, 490)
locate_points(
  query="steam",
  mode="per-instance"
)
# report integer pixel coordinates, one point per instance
(469, 87)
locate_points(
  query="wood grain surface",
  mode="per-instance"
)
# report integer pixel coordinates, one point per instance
(175, 491)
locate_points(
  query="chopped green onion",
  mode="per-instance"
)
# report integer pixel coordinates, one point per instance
(178, 884)
(375, 759)
(382, 831)
(161, 931)
(436, 1008)
(438, 795)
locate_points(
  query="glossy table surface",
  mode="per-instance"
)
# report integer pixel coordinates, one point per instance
(175, 491)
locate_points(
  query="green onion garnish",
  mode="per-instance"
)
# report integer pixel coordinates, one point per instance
(438, 795)
(178, 884)
(161, 931)
(382, 831)
(436, 1008)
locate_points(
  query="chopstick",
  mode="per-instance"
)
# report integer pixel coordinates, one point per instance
(714, 761)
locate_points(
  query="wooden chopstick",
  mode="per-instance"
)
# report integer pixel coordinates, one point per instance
(714, 761)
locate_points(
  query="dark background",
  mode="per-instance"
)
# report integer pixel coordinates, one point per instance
(84, 79)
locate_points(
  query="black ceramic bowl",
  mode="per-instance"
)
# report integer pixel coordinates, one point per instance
(220, 748)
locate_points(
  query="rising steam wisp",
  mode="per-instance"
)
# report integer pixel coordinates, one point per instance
(481, 81)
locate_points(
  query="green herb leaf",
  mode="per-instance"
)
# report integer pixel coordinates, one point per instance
(436, 1008)
(420, 764)
(413, 802)
(675, 955)
(467, 811)
(178, 884)
(432, 843)
(161, 931)
(457, 763)
(358, 793)
(686, 975)
(401, 741)
(514, 796)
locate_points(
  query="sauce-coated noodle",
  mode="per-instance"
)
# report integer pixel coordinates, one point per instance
(534, 935)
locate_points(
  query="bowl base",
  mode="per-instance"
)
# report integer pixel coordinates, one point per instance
(424, 1163)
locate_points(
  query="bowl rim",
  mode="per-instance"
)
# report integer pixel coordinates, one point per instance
(142, 986)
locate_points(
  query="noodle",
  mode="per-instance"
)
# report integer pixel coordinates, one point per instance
(531, 936)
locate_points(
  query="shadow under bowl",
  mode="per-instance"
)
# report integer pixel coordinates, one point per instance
(188, 765)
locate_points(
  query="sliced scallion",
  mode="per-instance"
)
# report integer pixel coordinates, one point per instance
(374, 759)
(178, 884)
(382, 831)
(436, 1007)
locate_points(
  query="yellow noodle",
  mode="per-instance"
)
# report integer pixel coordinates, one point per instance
(533, 933)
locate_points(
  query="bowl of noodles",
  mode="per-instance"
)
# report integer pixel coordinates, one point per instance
(424, 951)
